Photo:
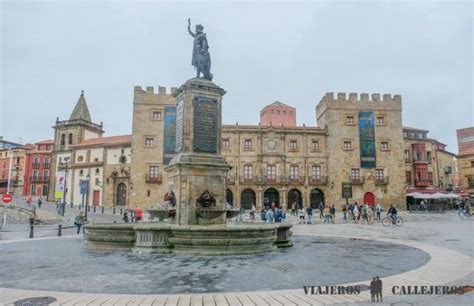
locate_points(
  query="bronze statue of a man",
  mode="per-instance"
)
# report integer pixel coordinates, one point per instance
(201, 58)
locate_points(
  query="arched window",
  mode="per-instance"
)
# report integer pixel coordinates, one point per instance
(70, 139)
(63, 139)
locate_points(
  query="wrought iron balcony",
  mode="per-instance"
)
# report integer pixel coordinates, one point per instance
(39, 179)
(299, 179)
(381, 180)
(46, 165)
(357, 180)
(156, 178)
(36, 165)
(318, 180)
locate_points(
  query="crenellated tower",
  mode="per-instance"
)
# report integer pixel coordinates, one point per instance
(364, 146)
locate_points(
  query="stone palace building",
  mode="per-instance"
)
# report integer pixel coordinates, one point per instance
(357, 150)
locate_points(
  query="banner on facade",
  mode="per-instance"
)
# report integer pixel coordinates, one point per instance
(83, 186)
(59, 189)
(367, 139)
(169, 137)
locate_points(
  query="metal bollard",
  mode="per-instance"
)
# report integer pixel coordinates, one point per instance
(32, 226)
(102, 209)
(60, 227)
(121, 211)
(114, 210)
(72, 205)
(88, 209)
(94, 208)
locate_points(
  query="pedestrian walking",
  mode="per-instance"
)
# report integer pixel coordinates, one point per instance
(356, 213)
(344, 211)
(378, 289)
(40, 201)
(301, 215)
(138, 214)
(327, 215)
(321, 210)
(253, 211)
(370, 215)
(132, 216)
(378, 209)
(363, 211)
(309, 213)
(333, 213)
(125, 217)
(78, 221)
(30, 199)
(293, 209)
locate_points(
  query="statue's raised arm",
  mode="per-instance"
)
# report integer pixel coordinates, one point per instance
(189, 28)
(201, 59)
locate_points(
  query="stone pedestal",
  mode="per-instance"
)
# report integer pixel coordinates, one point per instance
(198, 165)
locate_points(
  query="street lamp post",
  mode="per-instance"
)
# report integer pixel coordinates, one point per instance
(66, 159)
(87, 197)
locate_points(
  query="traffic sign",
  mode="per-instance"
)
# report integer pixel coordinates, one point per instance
(7, 198)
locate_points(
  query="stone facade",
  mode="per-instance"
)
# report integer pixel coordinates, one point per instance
(383, 182)
(148, 135)
(275, 164)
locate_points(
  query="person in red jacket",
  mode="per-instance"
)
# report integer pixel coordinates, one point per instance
(30, 199)
(138, 214)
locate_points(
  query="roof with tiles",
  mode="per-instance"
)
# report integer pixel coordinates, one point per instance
(106, 141)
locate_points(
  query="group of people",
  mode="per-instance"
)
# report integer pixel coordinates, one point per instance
(272, 213)
(135, 215)
(363, 213)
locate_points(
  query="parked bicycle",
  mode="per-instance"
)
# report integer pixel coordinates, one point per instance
(389, 221)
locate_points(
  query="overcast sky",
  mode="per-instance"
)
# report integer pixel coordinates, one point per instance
(261, 52)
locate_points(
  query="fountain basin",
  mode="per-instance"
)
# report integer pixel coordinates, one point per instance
(232, 213)
(209, 214)
(241, 239)
(162, 214)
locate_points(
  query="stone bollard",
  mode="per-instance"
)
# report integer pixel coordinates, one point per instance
(102, 209)
(60, 227)
(32, 226)
(94, 208)
(114, 210)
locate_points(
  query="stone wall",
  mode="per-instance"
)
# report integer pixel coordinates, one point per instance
(145, 192)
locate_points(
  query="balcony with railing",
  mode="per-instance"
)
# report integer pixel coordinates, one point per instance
(357, 180)
(250, 179)
(381, 180)
(299, 179)
(36, 165)
(424, 182)
(39, 179)
(318, 180)
(46, 165)
(155, 178)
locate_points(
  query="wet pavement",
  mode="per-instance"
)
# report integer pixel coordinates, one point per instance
(313, 261)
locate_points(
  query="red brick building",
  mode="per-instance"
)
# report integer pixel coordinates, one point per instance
(38, 169)
(277, 114)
